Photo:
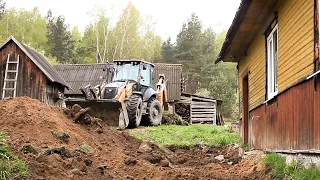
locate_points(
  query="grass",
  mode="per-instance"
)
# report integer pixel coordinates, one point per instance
(86, 148)
(281, 170)
(11, 167)
(186, 136)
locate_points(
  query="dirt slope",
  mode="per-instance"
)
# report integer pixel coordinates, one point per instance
(113, 154)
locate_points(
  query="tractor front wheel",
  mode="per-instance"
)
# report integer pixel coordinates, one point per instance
(154, 112)
(134, 108)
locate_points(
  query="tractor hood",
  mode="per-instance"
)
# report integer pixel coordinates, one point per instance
(115, 84)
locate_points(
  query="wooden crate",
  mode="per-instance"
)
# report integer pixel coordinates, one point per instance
(203, 112)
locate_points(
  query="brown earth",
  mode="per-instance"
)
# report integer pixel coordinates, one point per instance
(91, 152)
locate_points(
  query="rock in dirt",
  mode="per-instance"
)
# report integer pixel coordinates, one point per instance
(29, 148)
(219, 158)
(76, 172)
(61, 135)
(88, 162)
(144, 147)
(103, 166)
(62, 151)
(164, 163)
(130, 161)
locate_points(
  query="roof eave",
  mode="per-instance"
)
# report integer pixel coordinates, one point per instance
(244, 5)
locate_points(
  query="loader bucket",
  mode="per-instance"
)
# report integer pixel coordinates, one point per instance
(106, 110)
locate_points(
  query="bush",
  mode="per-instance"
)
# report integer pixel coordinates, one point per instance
(11, 167)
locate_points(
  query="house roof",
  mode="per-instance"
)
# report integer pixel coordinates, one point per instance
(250, 19)
(41, 62)
(80, 75)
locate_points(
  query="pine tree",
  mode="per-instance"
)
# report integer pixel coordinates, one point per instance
(60, 43)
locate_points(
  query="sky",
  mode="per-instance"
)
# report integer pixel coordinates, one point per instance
(168, 14)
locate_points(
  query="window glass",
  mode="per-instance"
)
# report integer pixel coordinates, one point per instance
(272, 67)
(146, 76)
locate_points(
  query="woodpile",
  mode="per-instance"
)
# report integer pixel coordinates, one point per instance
(183, 110)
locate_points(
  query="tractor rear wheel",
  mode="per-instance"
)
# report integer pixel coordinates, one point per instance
(154, 111)
(134, 108)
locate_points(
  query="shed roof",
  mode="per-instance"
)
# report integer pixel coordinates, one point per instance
(203, 98)
(41, 62)
(250, 19)
(80, 75)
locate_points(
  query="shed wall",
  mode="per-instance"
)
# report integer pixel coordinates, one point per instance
(173, 74)
(32, 82)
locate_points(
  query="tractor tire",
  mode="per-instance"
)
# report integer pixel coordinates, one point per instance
(134, 108)
(154, 112)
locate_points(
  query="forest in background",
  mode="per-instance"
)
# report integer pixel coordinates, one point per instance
(129, 36)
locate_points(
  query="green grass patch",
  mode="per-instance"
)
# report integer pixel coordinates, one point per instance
(11, 167)
(280, 170)
(186, 136)
(86, 148)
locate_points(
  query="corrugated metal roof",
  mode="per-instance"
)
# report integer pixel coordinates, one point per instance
(80, 75)
(41, 62)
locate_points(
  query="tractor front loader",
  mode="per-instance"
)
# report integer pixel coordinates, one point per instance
(129, 98)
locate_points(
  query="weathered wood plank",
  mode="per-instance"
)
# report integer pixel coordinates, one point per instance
(204, 99)
(198, 106)
(202, 103)
(203, 110)
(202, 119)
(213, 112)
(203, 115)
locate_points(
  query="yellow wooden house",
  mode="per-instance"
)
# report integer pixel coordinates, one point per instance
(275, 44)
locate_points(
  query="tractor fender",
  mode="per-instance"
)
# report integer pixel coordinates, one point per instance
(150, 92)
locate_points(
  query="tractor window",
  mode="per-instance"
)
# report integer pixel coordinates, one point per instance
(126, 72)
(146, 73)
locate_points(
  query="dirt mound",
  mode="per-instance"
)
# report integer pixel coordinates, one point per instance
(57, 148)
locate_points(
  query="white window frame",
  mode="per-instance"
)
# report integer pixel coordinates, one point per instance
(272, 64)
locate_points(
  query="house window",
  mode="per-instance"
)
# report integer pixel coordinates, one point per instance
(272, 55)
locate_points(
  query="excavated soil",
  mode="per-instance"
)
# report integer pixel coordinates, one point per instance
(91, 152)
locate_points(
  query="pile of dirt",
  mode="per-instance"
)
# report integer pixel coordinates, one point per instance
(55, 147)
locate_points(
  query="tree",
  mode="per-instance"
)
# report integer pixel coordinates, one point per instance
(189, 50)
(60, 44)
(168, 51)
(29, 27)
(2, 8)
(127, 34)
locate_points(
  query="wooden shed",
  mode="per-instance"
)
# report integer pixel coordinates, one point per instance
(25, 72)
(202, 109)
(80, 75)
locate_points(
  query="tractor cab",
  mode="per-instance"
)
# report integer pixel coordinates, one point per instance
(134, 70)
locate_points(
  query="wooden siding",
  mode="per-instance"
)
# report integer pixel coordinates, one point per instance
(32, 82)
(296, 51)
(296, 46)
(256, 64)
(173, 74)
(290, 122)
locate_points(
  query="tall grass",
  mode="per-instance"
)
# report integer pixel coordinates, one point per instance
(280, 170)
(185, 136)
(11, 167)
